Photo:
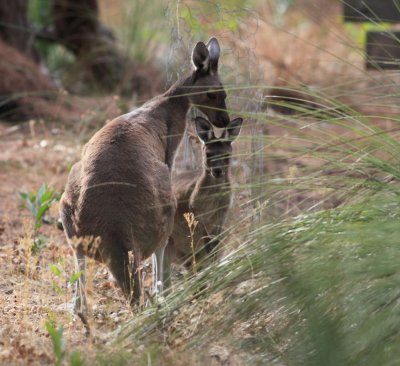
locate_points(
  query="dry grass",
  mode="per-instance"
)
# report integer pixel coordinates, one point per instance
(27, 294)
(306, 46)
(31, 154)
(30, 292)
(303, 49)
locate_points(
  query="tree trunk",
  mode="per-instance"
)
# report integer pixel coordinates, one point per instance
(78, 28)
(15, 28)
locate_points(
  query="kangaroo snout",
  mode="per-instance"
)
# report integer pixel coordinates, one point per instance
(222, 119)
(216, 172)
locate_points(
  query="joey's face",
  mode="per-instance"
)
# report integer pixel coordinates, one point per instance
(217, 151)
(217, 157)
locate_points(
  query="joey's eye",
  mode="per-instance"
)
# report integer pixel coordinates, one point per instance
(211, 95)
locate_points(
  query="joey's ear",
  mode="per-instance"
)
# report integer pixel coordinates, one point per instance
(204, 129)
(214, 50)
(233, 129)
(200, 57)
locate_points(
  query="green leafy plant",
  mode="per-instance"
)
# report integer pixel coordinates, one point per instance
(55, 269)
(75, 277)
(76, 359)
(38, 204)
(57, 340)
(60, 278)
(56, 335)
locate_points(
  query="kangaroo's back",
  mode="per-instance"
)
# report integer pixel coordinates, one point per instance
(126, 185)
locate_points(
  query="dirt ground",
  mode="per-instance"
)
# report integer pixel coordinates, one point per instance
(30, 293)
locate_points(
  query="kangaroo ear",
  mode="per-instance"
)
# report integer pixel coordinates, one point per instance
(233, 129)
(214, 50)
(200, 57)
(204, 129)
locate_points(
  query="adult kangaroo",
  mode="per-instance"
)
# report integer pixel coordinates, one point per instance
(118, 198)
(207, 195)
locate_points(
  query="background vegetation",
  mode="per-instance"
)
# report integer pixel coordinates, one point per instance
(310, 271)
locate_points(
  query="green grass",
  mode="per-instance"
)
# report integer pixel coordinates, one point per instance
(331, 277)
(142, 29)
(311, 274)
(314, 285)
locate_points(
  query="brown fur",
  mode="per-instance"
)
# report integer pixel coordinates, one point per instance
(118, 198)
(207, 195)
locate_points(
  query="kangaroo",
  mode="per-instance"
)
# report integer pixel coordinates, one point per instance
(207, 196)
(118, 198)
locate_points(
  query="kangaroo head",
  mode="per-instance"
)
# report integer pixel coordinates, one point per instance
(208, 92)
(217, 151)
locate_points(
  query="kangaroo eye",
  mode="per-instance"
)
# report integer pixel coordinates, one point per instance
(211, 95)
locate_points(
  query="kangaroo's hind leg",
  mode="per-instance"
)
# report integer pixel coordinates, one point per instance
(161, 270)
(81, 307)
(66, 214)
(126, 271)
